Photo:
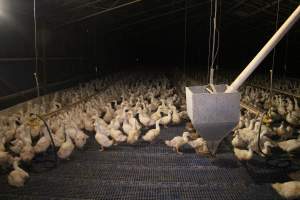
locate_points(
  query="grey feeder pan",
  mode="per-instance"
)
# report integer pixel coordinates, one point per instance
(213, 115)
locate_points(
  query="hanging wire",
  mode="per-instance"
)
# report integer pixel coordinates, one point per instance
(35, 50)
(219, 32)
(214, 35)
(286, 54)
(274, 53)
(185, 37)
(216, 31)
(214, 51)
(209, 40)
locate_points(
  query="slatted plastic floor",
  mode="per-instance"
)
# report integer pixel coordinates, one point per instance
(145, 171)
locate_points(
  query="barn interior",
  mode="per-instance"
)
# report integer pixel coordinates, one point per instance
(94, 99)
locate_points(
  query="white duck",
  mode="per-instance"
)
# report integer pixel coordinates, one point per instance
(59, 136)
(178, 141)
(238, 142)
(16, 146)
(66, 148)
(108, 115)
(117, 135)
(281, 108)
(284, 131)
(296, 110)
(199, 145)
(101, 138)
(115, 123)
(167, 119)
(42, 144)
(152, 133)
(80, 122)
(145, 118)
(35, 128)
(2, 142)
(126, 125)
(290, 145)
(133, 121)
(23, 133)
(156, 116)
(99, 121)
(184, 115)
(80, 139)
(175, 116)
(241, 123)
(292, 119)
(243, 154)
(27, 153)
(290, 106)
(133, 135)
(5, 158)
(88, 122)
(244, 136)
(154, 103)
(10, 130)
(101, 127)
(18, 176)
(288, 190)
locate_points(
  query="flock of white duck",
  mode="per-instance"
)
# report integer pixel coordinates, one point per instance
(128, 110)
(125, 111)
(278, 128)
(280, 110)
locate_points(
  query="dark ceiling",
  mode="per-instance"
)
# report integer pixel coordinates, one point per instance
(155, 26)
(131, 13)
(251, 19)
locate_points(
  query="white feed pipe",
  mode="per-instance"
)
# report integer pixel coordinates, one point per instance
(286, 26)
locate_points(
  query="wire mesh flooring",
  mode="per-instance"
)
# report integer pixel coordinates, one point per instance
(148, 171)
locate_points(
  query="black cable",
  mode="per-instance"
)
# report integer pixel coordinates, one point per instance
(278, 161)
(52, 141)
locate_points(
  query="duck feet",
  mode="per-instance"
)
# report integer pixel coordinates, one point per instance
(101, 149)
(178, 152)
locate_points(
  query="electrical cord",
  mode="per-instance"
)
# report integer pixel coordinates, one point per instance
(276, 161)
(55, 161)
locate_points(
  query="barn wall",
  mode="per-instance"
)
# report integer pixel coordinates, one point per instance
(65, 52)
